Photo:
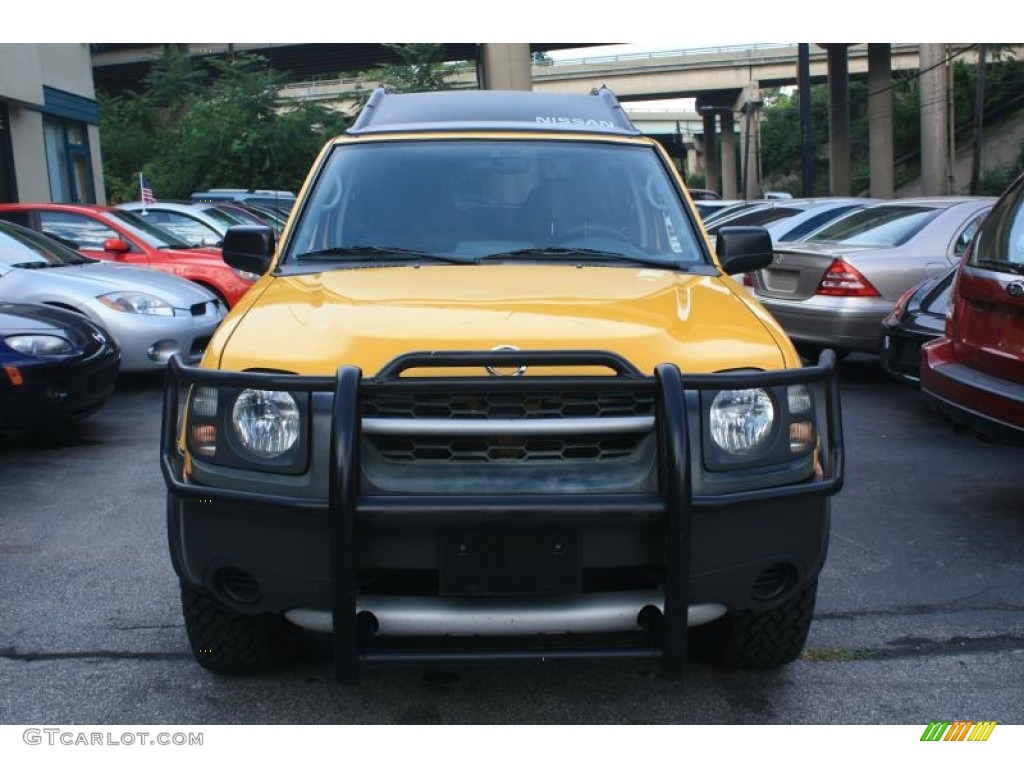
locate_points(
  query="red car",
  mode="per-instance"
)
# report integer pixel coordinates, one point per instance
(975, 373)
(115, 235)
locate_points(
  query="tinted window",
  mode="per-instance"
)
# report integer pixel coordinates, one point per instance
(811, 223)
(883, 226)
(1000, 241)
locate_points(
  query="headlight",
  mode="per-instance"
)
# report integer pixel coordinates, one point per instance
(265, 422)
(252, 277)
(137, 303)
(38, 344)
(741, 420)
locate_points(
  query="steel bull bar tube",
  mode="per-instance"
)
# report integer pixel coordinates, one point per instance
(668, 508)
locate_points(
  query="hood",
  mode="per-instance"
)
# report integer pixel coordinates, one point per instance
(37, 318)
(87, 281)
(311, 324)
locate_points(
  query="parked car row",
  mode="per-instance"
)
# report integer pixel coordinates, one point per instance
(70, 323)
(934, 286)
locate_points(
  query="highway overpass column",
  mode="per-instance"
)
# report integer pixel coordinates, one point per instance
(729, 176)
(934, 126)
(710, 150)
(880, 141)
(506, 67)
(838, 119)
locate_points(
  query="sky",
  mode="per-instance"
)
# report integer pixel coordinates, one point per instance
(660, 22)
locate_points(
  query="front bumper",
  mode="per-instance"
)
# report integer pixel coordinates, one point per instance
(685, 545)
(51, 393)
(148, 341)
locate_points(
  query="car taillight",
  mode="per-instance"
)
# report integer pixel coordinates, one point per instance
(841, 279)
(901, 305)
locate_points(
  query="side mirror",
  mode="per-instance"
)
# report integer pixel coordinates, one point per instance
(116, 245)
(249, 247)
(744, 249)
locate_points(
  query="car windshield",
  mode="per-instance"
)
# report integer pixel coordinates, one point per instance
(148, 233)
(24, 248)
(882, 226)
(485, 200)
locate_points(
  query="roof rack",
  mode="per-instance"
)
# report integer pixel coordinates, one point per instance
(596, 112)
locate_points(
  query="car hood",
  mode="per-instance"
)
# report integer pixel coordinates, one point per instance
(311, 324)
(17, 318)
(87, 281)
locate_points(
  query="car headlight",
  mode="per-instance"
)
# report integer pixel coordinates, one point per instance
(758, 427)
(265, 422)
(249, 428)
(252, 277)
(741, 420)
(137, 303)
(38, 344)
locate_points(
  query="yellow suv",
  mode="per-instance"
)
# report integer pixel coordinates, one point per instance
(494, 397)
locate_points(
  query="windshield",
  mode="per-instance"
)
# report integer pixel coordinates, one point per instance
(882, 226)
(474, 200)
(148, 233)
(25, 248)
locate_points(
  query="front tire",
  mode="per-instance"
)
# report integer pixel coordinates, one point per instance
(758, 640)
(228, 642)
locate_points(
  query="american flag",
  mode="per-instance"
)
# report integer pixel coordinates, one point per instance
(147, 191)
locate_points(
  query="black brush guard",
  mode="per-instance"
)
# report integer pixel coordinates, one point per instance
(671, 507)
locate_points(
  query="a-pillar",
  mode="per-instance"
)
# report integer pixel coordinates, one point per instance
(934, 127)
(710, 151)
(880, 125)
(838, 118)
(505, 67)
(729, 175)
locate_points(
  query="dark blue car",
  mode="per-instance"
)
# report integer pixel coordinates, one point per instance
(56, 366)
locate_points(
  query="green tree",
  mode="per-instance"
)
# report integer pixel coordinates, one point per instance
(191, 130)
(420, 67)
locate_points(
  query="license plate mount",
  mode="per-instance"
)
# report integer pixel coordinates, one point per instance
(509, 561)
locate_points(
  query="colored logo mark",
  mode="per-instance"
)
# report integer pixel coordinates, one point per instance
(958, 730)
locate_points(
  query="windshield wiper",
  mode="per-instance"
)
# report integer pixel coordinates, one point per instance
(382, 252)
(999, 266)
(35, 265)
(576, 255)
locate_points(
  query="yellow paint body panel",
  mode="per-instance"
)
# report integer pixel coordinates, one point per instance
(311, 324)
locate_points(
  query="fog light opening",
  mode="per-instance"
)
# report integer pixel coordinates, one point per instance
(162, 351)
(238, 585)
(774, 581)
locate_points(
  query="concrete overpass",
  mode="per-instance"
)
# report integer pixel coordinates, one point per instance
(725, 82)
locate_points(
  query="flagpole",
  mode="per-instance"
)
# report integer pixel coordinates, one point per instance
(142, 193)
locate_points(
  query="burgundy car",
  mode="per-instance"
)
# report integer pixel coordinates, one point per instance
(975, 373)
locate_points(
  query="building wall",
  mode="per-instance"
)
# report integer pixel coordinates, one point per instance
(27, 70)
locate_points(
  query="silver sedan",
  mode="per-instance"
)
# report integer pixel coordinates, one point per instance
(151, 315)
(834, 288)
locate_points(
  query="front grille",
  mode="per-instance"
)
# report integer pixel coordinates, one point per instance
(508, 405)
(203, 308)
(506, 448)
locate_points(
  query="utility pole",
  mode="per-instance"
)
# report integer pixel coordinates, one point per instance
(806, 147)
(979, 119)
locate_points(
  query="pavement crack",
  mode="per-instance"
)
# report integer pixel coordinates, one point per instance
(12, 654)
(920, 610)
